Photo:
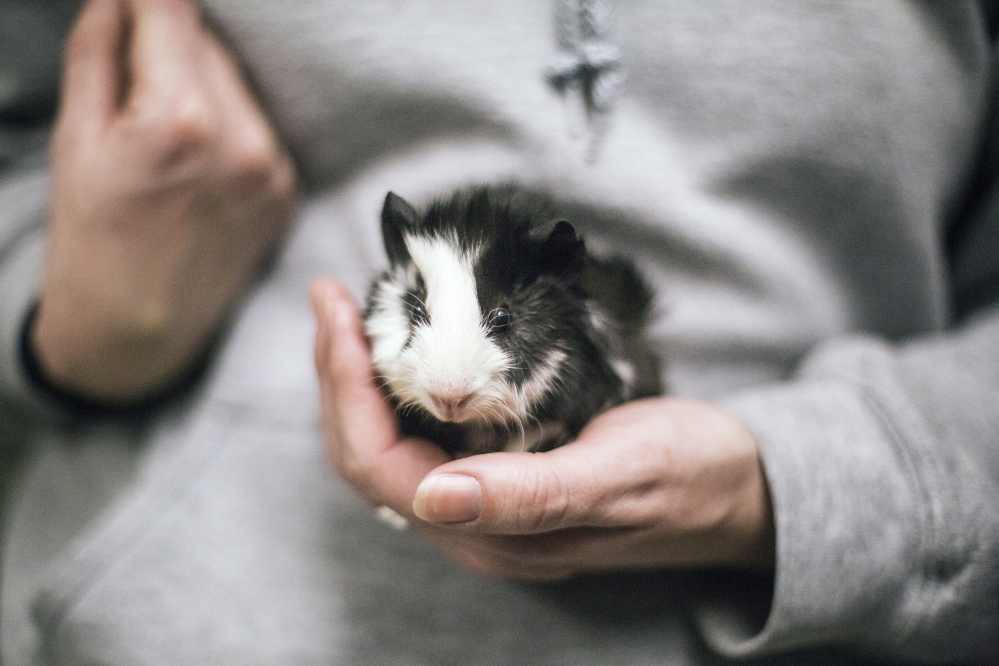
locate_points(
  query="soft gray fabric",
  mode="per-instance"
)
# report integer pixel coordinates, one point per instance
(31, 35)
(786, 173)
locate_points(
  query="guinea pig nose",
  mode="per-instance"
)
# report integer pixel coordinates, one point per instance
(451, 403)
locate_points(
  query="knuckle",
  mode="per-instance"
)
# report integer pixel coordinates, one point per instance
(178, 126)
(260, 166)
(544, 505)
(254, 155)
(257, 165)
(353, 469)
(187, 120)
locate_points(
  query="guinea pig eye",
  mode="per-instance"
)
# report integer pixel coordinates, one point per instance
(417, 312)
(500, 321)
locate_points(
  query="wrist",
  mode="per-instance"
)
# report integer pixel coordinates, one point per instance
(105, 371)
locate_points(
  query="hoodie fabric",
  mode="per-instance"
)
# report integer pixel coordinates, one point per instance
(811, 189)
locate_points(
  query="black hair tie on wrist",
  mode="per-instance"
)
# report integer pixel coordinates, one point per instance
(84, 407)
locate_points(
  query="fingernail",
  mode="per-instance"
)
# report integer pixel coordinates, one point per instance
(448, 498)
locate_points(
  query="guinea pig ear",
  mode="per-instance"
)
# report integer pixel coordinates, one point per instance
(398, 219)
(563, 252)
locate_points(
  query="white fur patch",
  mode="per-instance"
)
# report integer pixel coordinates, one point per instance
(542, 380)
(623, 368)
(387, 326)
(453, 354)
(625, 372)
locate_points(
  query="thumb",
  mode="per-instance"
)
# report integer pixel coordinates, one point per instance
(362, 436)
(512, 493)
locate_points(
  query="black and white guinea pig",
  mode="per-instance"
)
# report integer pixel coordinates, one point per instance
(495, 330)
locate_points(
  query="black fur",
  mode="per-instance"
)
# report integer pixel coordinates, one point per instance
(536, 268)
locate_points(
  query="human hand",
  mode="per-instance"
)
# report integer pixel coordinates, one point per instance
(169, 188)
(653, 483)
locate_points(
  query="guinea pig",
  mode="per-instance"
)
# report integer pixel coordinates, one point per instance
(494, 329)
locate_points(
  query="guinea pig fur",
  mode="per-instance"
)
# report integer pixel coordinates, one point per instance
(495, 330)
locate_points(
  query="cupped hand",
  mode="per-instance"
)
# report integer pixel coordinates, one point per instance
(654, 483)
(169, 188)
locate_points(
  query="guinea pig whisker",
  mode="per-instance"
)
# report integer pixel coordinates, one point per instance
(382, 381)
(516, 419)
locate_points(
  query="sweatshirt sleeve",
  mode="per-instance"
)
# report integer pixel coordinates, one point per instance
(882, 460)
(883, 465)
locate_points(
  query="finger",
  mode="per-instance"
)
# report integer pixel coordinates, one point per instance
(613, 475)
(253, 155)
(167, 101)
(486, 561)
(566, 552)
(164, 46)
(362, 433)
(510, 493)
(595, 549)
(537, 557)
(93, 73)
(582, 549)
(342, 361)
